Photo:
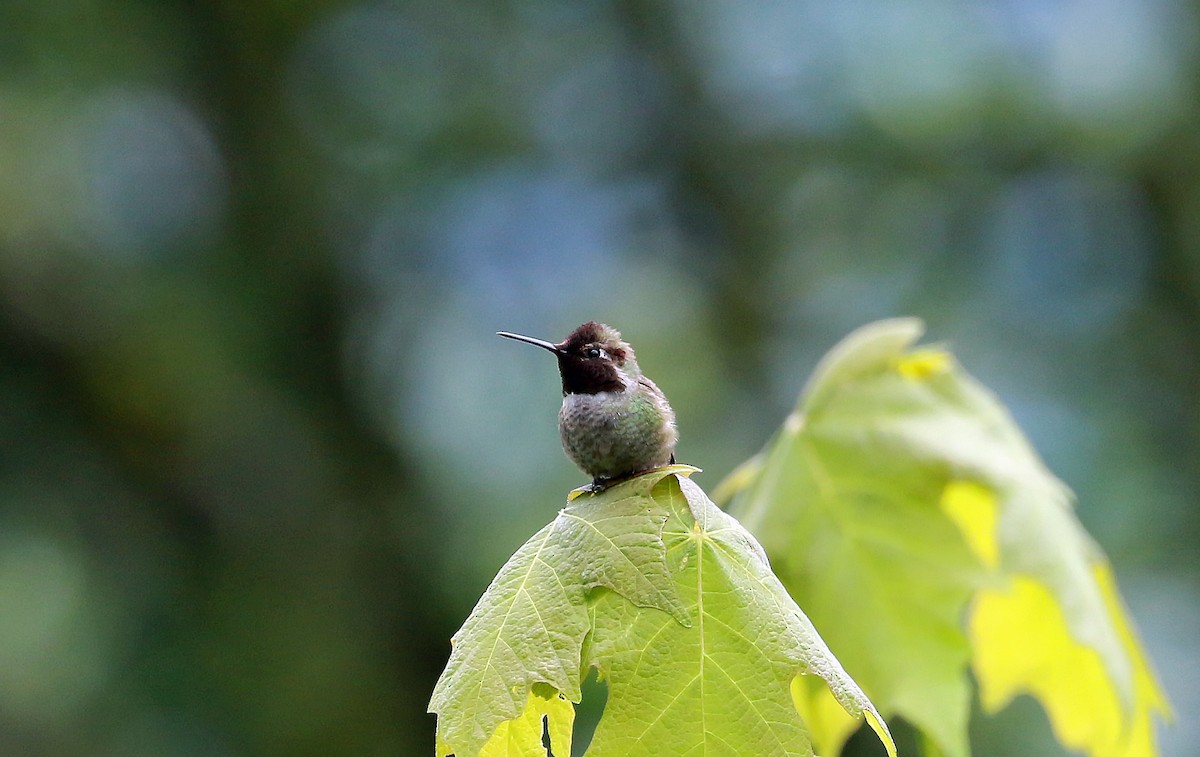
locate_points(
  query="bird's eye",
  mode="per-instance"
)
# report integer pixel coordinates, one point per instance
(594, 352)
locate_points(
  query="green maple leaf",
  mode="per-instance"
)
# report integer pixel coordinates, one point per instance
(530, 624)
(674, 602)
(901, 498)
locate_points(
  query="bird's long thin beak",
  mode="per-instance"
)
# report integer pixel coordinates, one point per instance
(530, 340)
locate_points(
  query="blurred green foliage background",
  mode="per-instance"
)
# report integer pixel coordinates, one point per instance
(260, 450)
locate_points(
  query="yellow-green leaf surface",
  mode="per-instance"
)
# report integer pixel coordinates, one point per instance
(522, 736)
(908, 514)
(530, 624)
(674, 602)
(723, 686)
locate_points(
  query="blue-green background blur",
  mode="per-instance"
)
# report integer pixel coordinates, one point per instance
(260, 450)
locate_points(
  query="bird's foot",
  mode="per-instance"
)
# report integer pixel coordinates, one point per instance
(600, 484)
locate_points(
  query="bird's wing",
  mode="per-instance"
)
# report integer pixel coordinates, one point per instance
(653, 387)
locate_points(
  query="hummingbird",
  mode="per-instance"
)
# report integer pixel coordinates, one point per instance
(614, 421)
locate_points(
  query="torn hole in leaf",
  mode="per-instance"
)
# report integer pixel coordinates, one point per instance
(1020, 728)
(588, 712)
(548, 717)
